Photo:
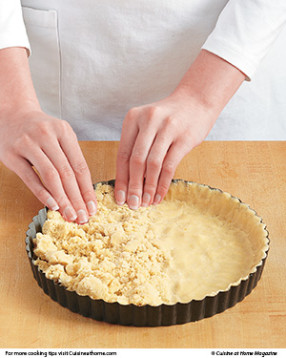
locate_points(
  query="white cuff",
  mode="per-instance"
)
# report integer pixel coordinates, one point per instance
(233, 55)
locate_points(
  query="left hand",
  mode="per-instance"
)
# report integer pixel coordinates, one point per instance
(154, 140)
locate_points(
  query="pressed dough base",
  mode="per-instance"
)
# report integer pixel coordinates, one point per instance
(195, 243)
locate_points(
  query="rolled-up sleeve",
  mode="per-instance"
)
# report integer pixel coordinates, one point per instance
(245, 31)
(12, 28)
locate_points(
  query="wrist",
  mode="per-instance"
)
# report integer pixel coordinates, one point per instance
(193, 102)
(20, 109)
(17, 92)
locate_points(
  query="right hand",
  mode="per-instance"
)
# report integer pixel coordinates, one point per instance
(44, 152)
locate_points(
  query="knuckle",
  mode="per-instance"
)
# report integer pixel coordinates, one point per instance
(78, 204)
(66, 172)
(137, 158)
(152, 116)
(154, 111)
(133, 112)
(168, 167)
(123, 156)
(62, 201)
(135, 189)
(150, 188)
(148, 122)
(138, 155)
(163, 188)
(44, 129)
(65, 128)
(49, 175)
(64, 124)
(81, 168)
(22, 142)
(165, 137)
(28, 179)
(135, 186)
(41, 194)
(170, 121)
(88, 193)
(121, 183)
(154, 162)
(131, 115)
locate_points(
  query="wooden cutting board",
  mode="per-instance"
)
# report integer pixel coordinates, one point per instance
(253, 171)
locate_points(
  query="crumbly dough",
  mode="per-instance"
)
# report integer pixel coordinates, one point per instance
(195, 243)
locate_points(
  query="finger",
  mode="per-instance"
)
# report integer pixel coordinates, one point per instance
(175, 154)
(52, 181)
(155, 159)
(72, 151)
(67, 176)
(128, 137)
(137, 165)
(24, 170)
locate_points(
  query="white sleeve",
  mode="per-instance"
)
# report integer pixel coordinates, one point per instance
(245, 31)
(12, 28)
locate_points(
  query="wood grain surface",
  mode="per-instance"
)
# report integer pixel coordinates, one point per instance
(253, 171)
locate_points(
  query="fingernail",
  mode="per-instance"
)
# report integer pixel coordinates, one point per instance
(146, 199)
(51, 204)
(121, 197)
(82, 216)
(91, 207)
(157, 199)
(70, 214)
(133, 202)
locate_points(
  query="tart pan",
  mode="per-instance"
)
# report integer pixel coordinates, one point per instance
(147, 315)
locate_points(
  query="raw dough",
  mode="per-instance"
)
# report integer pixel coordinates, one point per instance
(195, 243)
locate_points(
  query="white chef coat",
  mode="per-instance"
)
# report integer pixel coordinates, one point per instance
(94, 60)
